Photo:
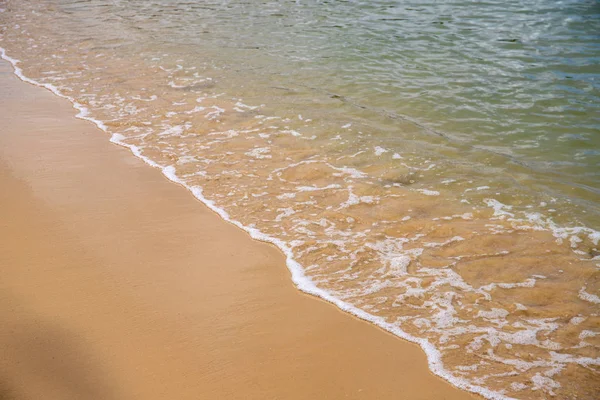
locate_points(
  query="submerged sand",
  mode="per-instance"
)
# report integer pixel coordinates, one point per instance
(117, 284)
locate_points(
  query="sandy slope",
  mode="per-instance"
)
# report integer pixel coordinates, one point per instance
(117, 284)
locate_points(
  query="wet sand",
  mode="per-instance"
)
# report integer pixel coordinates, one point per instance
(118, 284)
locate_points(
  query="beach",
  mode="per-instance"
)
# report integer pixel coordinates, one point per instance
(281, 196)
(118, 284)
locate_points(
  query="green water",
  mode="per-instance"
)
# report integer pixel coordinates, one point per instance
(516, 78)
(429, 167)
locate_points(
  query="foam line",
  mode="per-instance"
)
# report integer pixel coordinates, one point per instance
(301, 281)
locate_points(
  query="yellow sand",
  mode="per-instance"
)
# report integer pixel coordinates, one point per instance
(117, 284)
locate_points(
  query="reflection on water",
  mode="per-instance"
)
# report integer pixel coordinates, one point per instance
(433, 167)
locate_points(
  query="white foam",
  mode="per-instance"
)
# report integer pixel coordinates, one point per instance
(259, 153)
(315, 188)
(428, 192)
(354, 199)
(285, 212)
(353, 172)
(356, 154)
(494, 313)
(518, 386)
(500, 209)
(587, 333)
(380, 150)
(594, 237)
(592, 298)
(151, 98)
(83, 112)
(195, 110)
(299, 278)
(545, 383)
(214, 114)
(245, 106)
(176, 130)
(286, 196)
(291, 132)
(576, 320)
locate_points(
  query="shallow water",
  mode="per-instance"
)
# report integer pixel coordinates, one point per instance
(430, 167)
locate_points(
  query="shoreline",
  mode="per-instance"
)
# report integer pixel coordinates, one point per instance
(301, 282)
(104, 202)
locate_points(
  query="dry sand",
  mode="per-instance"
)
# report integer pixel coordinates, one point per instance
(117, 284)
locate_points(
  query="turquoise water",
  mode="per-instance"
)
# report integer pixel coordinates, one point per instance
(432, 168)
(518, 78)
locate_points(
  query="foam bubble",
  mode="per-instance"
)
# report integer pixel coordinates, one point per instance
(428, 192)
(259, 153)
(380, 150)
(397, 255)
(592, 298)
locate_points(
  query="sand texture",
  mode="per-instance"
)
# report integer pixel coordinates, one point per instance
(118, 284)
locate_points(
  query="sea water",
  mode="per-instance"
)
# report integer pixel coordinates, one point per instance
(431, 167)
